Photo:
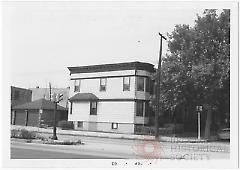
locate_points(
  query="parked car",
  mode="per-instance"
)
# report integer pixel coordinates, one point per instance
(224, 134)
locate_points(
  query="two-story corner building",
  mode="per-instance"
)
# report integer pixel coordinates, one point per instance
(110, 97)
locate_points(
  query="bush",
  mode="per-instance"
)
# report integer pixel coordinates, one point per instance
(22, 134)
(14, 133)
(65, 124)
(27, 134)
(43, 138)
(66, 142)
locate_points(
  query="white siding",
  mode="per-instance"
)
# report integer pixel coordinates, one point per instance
(80, 111)
(119, 112)
(141, 120)
(122, 128)
(108, 112)
(114, 88)
(102, 74)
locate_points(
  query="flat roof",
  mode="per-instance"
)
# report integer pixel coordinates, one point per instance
(112, 67)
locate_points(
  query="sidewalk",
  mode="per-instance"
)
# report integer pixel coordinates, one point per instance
(110, 135)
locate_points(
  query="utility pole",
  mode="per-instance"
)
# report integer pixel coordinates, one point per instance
(54, 123)
(158, 88)
(50, 91)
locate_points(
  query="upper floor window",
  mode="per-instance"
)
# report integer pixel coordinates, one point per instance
(140, 108)
(151, 86)
(93, 108)
(126, 83)
(71, 105)
(103, 84)
(77, 86)
(147, 87)
(140, 83)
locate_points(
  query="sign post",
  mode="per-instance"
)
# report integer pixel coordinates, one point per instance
(199, 126)
(199, 110)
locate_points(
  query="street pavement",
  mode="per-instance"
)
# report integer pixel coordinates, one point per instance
(26, 153)
(107, 148)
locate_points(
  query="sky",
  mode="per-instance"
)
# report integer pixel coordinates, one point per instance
(42, 39)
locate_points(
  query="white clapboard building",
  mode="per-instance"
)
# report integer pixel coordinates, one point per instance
(110, 97)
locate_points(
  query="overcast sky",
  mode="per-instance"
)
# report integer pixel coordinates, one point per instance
(43, 38)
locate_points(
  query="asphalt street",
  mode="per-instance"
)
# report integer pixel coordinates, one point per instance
(20, 150)
(104, 148)
(24, 153)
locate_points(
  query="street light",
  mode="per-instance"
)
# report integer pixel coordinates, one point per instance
(56, 99)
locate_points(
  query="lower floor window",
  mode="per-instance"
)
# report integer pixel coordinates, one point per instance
(80, 124)
(93, 108)
(114, 125)
(140, 108)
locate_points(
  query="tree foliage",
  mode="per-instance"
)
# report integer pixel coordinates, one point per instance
(196, 69)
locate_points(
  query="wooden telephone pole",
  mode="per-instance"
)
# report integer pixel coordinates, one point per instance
(158, 80)
(50, 91)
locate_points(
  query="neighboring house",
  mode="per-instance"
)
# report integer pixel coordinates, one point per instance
(110, 97)
(38, 93)
(20, 96)
(37, 113)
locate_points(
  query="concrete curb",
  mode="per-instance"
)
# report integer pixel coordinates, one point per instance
(111, 135)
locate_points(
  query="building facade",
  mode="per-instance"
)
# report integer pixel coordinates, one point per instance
(110, 97)
(20, 96)
(37, 113)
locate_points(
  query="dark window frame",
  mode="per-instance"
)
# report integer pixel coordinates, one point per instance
(151, 86)
(147, 84)
(81, 123)
(140, 111)
(147, 109)
(138, 81)
(93, 111)
(103, 87)
(71, 103)
(77, 84)
(114, 124)
(126, 87)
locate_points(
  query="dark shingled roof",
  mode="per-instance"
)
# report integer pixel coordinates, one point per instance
(39, 104)
(113, 67)
(84, 97)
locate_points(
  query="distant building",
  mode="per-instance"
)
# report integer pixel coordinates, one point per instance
(39, 93)
(110, 97)
(20, 96)
(37, 113)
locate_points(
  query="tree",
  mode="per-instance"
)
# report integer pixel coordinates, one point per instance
(197, 68)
